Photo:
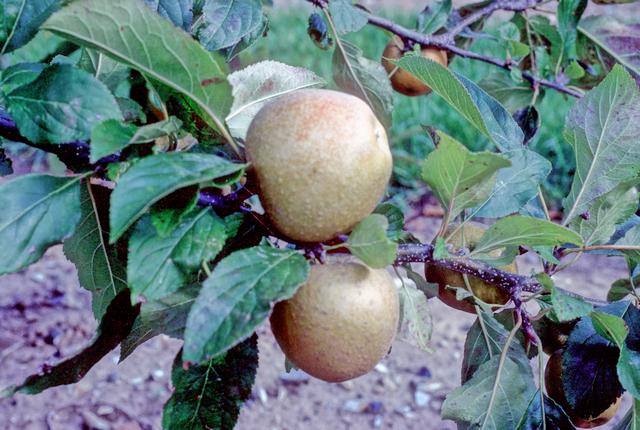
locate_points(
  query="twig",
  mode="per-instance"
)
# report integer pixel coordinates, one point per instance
(602, 248)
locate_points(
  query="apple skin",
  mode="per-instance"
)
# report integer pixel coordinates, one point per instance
(470, 233)
(401, 80)
(340, 323)
(321, 160)
(555, 390)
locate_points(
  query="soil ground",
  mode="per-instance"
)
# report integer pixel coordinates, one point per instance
(45, 316)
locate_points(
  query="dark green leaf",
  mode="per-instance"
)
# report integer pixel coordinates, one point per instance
(369, 242)
(434, 16)
(346, 17)
(99, 270)
(43, 113)
(159, 265)
(551, 418)
(364, 78)
(128, 32)
(37, 211)
(21, 19)
(569, 14)
(629, 362)
(165, 316)
(209, 396)
(237, 297)
(179, 12)
(602, 128)
(395, 217)
(155, 177)
(18, 75)
(114, 327)
(460, 178)
(610, 327)
(622, 288)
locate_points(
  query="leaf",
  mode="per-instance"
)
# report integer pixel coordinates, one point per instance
(517, 184)
(363, 78)
(43, 113)
(486, 339)
(37, 211)
(434, 16)
(21, 19)
(475, 105)
(589, 363)
(115, 325)
(179, 12)
(260, 83)
(603, 127)
(99, 269)
(511, 94)
(629, 361)
(606, 212)
(157, 176)
(237, 297)
(18, 75)
(416, 324)
(395, 217)
(319, 32)
(567, 307)
(346, 17)
(619, 40)
(209, 396)
(165, 316)
(458, 177)
(621, 288)
(553, 416)
(495, 397)
(610, 327)
(230, 24)
(631, 238)
(159, 266)
(127, 31)
(519, 230)
(529, 122)
(569, 14)
(369, 242)
(107, 70)
(112, 136)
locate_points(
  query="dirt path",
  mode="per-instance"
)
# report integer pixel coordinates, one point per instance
(44, 315)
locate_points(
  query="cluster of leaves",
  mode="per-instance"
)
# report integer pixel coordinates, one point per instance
(145, 88)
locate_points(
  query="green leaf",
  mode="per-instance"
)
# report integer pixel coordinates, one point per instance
(603, 127)
(395, 217)
(460, 178)
(434, 16)
(114, 327)
(112, 136)
(179, 12)
(230, 24)
(21, 19)
(621, 288)
(260, 83)
(475, 105)
(346, 17)
(107, 70)
(237, 298)
(369, 242)
(512, 95)
(518, 230)
(629, 361)
(569, 14)
(18, 75)
(574, 70)
(209, 395)
(567, 307)
(130, 32)
(611, 327)
(37, 211)
(552, 417)
(515, 185)
(157, 176)
(606, 212)
(159, 266)
(616, 38)
(495, 397)
(631, 238)
(43, 113)
(165, 316)
(416, 324)
(364, 78)
(99, 269)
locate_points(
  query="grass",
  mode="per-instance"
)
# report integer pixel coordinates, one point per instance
(289, 43)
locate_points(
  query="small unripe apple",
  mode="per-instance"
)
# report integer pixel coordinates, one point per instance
(322, 162)
(340, 323)
(466, 236)
(554, 385)
(401, 80)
